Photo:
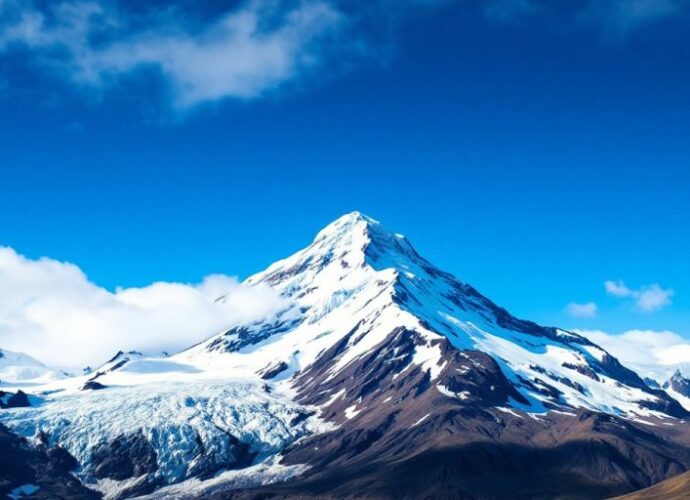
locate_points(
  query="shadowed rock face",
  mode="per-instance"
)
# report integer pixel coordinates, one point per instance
(47, 468)
(92, 385)
(128, 456)
(679, 384)
(17, 400)
(273, 370)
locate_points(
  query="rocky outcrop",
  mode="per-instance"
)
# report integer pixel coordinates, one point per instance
(18, 399)
(47, 469)
(678, 384)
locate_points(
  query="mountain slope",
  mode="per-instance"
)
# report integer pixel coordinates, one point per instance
(357, 286)
(414, 365)
(675, 488)
(380, 366)
(16, 367)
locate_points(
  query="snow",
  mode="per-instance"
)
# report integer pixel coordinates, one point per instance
(683, 400)
(334, 398)
(178, 408)
(256, 475)
(430, 358)
(463, 395)
(421, 420)
(510, 411)
(351, 412)
(20, 369)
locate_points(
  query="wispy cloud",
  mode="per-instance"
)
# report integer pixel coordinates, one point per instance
(242, 53)
(648, 298)
(588, 310)
(253, 47)
(50, 310)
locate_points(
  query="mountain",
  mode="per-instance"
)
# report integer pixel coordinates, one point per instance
(358, 287)
(383, 376)
(16, 367)
(678, 387)
(27, 470)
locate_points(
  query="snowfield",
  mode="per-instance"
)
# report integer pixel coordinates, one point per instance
(192, 419)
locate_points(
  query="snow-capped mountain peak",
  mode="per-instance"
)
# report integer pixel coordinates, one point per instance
(374, 339)
(358, 283)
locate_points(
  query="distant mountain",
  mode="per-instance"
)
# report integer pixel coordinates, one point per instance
(678, 384)
(16, 367)
(384, 376)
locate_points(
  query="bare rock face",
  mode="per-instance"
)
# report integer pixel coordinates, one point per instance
(125, 457)
(92, 385)
(679, 384)
(18, 399)
(272, 370)
(48, 470)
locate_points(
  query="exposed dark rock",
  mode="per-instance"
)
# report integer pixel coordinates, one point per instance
(207, 464)
(585, 370)
(651, 383)
(22, 464)
(17, 400)
(92, 385)
(62, 460)
(614, 369)
(665, 404)
(589, 456)
(272, 370)
(679, 384)
(125, 457)
(246, 335)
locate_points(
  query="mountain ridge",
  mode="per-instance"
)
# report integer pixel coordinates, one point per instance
(377, 358)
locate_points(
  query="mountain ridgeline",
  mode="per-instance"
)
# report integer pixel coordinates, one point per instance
(383, 376)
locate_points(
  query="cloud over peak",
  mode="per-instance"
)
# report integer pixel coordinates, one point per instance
(51, 311)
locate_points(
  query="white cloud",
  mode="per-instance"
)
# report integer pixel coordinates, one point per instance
(655, 354)
(253, 47)
(648, 298)
(50, 310)
(588, 310)
(617, 289)
(241, 54)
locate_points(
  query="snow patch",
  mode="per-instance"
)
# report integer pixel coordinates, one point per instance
(351, 412)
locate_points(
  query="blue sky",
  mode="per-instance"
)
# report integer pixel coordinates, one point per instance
(534, 151)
